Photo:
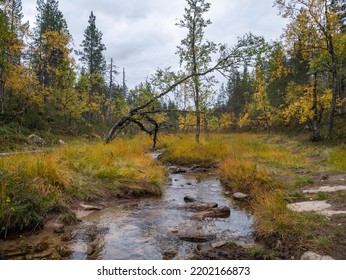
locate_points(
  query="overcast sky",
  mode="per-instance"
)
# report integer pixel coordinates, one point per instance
(141, 35)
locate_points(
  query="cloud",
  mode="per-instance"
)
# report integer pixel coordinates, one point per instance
(141, 35)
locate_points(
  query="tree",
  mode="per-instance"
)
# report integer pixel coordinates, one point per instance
(4, 60)
(94, 64)
(325, 18)
(195, 52)
(92, 55)
(12, 46)
(51, 41)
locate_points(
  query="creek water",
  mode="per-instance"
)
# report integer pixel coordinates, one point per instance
(149, 228)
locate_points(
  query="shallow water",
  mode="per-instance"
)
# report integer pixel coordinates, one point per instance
(148, 229)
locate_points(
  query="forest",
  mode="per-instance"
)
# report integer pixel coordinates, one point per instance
(274, 126)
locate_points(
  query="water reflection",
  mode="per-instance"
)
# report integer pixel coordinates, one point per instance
(147, 229)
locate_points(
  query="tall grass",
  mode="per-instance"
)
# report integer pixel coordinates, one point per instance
(250, 163)
(37, 184)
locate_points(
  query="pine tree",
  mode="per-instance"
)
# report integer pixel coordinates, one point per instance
(92, 49)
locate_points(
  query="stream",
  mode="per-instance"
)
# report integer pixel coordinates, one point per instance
(151, 228)
(154, 228)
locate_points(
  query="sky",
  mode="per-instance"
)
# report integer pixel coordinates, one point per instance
(141, 35)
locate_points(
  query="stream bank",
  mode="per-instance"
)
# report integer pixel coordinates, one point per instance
(167, 227)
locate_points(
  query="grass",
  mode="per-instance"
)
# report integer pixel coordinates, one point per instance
(33, 185)
(337, 159)
(269, 169)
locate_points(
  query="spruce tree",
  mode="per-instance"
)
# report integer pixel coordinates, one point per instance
(92, 55)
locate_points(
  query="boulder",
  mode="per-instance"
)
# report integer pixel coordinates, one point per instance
(36, 140)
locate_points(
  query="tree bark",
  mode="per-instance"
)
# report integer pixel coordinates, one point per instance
(330, 122)
(315, 133)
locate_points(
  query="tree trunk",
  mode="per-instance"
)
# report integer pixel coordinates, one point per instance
(330, 122)
(2, 98)
(315, 133)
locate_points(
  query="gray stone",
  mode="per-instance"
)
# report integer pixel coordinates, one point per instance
(314, 256)
(218, 244)
(307, 206)
(61, 142)
(188, 198)
(200, 206)
(36, 140)
(240, 196)
(327, 189)
(221, 212)
(86, 207)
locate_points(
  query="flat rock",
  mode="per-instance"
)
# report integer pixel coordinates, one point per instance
(177, 170)
(327, 189)
(194, 236)
(307, 206)
(86, 207)
(240, 196)
(218, 244)
(200, 206)
(314, 256)
(321, 207)
(220, 212)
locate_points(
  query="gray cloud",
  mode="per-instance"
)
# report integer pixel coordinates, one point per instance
(141, 35)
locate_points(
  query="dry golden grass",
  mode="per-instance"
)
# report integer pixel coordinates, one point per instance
(33, 185)
(249, 163)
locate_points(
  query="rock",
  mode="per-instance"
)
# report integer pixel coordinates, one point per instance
(192, 236)
(327, 189)
(169, 255)
(91, 249)
(221, 212)
(188, 198)
(218, 244)
(240, 196)
(61, 142)
(42, 255)
(325, 258)
(36, 140)
(86, 207)
(63, 251)
(42, 246)
(200, 206)
(314, 256)
(307, 206)
(177, 170)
